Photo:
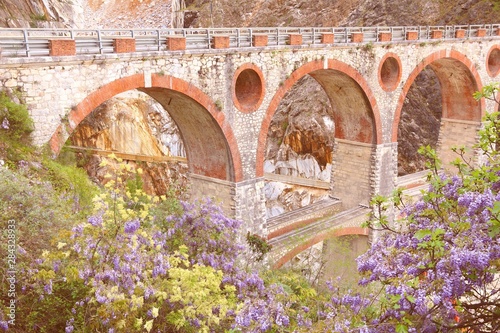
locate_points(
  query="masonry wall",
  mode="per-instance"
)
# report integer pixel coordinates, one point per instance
(53, 86)
(457, 133)
(351, 173)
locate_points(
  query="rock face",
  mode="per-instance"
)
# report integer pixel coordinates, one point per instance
(137, 126)
(41, 13)
(299, 144)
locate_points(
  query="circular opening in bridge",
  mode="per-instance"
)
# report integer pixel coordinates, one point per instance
(248, 88)
(390, 72)
(494, 61)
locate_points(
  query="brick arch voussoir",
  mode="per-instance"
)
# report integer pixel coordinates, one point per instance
(92, 101)
(420, 67)
(292, 79)
(347, 231)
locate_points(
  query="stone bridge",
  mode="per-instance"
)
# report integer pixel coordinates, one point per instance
(223, 97)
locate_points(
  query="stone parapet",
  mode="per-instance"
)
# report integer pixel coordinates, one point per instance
(327, 38)
(259, 40)
(220, 42)
(295, 39)
(357, 37)
(176, 43)
(436, 34)
(481, 32)
(62, 47)
(460, 33)
(385, 37)
(411, 35)
(123, 45)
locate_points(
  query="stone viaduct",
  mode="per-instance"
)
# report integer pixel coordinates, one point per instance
(223, 100)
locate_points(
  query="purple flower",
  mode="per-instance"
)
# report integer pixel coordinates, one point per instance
(5, 123)
(96, 221)
(3, 325)
(132, 226)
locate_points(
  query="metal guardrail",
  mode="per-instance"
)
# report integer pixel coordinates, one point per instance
(35, 42)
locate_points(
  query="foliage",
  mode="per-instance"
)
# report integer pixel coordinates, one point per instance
(39, 213)
(15, 129)
(125, 270)
(258, 245)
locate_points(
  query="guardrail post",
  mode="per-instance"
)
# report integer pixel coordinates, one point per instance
(26, 44)
(99, 40)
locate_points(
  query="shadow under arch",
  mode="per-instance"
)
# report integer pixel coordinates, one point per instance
(458, 78)
(209, 140)
(356, 114)
(347, 231)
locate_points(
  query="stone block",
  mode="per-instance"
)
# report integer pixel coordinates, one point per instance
(295, 39)
(481, 32)
(123, 45)
(220, 42)
(460, 33)
(385, 37)
(175, 43)
(260, 40)
(411, 35)
(62, 47)
(327, 38)
(357, 37)
(436, 34)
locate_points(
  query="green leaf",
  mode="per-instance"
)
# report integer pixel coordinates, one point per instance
(401, 328)
(422, 233)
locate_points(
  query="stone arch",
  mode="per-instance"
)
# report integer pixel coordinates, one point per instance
(345, 87)
(211, 146)
(347, 231)
(459, 79)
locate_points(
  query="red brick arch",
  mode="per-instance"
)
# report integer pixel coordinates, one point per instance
(210, 142)
(333, 76)
(347, 231)
(459, 79)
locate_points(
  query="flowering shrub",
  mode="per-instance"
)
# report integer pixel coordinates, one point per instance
(436, 268)
(132, 272)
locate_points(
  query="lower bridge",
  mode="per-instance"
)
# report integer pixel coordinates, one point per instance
(293, 232)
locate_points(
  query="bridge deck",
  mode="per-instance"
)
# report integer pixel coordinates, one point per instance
(301, 217)
(320, 229)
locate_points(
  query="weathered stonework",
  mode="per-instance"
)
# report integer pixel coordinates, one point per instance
(357, 37)
(225, 146)
(436, 34)
(176, 43)
(385, 37)
(295, 39)
(412, 35)
(123, 45)
(327, 38)
(62, 47)
(460, 33)
(260, 40)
